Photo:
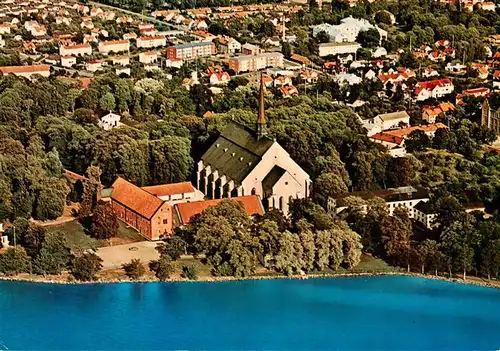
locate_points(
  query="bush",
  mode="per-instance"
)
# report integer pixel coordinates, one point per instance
(163, 267)
(190, 272)
(14, 261)
(134, 269)
(86, 266)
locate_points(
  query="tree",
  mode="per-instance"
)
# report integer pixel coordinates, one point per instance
(85, 266)
(396, 233)
(91, 189)
(286, 49)
(107, 102)
(14, 261)
(173, 247)
(288, 260)
(309, 249)
(329, 185)
(490, 258)
(134, 269)
(383, 17)
(190, 272)
(104, 222)
(54, 256)
(428, 254)
(322, 37)
(369, 38)
(163, 267)
(417, 141)
(85, 116)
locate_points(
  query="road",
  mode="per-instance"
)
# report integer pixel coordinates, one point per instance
(144, 17)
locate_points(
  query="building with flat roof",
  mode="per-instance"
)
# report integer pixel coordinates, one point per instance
(191, 50)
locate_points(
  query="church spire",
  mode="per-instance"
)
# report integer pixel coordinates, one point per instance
(261, 121)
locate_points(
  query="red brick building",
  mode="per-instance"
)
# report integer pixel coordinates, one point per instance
(145, 212)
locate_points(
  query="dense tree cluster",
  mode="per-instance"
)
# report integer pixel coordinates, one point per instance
(234, 245)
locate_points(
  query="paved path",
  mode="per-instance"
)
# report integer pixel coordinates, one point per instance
(115, 256)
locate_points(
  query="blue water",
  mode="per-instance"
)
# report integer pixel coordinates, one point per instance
(376, 313)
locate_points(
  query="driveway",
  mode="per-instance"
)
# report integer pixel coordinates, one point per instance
(115, 256)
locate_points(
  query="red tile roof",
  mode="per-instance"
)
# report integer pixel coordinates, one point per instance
(24, 69)
(387, 138)
(428, 128)
(75, 176)
(188, 210)
(170, 189)
(432, 84)
(135, 198)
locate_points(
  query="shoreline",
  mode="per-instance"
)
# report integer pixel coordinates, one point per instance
(44, 280)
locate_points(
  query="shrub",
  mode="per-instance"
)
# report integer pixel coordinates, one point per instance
(134, 269)
(163, 267)
(190, 272)
(14, 261)
(86, 266)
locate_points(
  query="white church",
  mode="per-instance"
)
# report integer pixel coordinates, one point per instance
(243, 161)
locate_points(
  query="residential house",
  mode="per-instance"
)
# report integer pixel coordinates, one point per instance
(347, 78)
(5, 28)
(273, 41)
(68, 61)
(341, 48)
(301, 59)
(151, 41)
(403, 197)
(109, 121)
(120, 60)
(386, 121)
(191, 50)
(75, 49)
(394, 144)
(251, 63)
(476, 92)
(129, 36)
(26, 71)
(431, 113)
(433, 89)
(148, 57)
(217, 76)
(228, 45)
(250, 49)
(288, 91)
(114, 46)
(94, 65)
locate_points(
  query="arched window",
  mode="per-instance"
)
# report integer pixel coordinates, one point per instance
(281, 203)
(254, 191)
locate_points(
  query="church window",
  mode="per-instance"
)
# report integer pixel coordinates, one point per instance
(254, 191)
(286, 183)
(281, 203)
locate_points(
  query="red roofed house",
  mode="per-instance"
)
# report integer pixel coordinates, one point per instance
(433, 89)
(430, 113)
(26, 71)
(216, 75)
(394, 144)
(186, 212)
(76, 49)
(476, 92)
(175, 193)
(151, 216)
(288, 91)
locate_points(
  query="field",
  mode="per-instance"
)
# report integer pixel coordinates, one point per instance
(79, 239)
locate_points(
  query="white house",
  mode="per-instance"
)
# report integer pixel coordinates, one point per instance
(94, 65)
(114, 46)
(26, 71)
(109, 121)
(151, 41)
(433, 89)
(4, 28)
(148, 57)
(327, 49)
(244, 162)
(347, 78)
(347, 30)
(75, 49)
(408, 197)
(220, 77)
(120, 60)
(68, 61)
(227, 45)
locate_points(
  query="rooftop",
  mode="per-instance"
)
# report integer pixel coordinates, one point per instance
(169, 189)
(187, 211)
(135, 198)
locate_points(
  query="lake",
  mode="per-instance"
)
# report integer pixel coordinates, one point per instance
(358, 313)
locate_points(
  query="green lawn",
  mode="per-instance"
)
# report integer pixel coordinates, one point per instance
(78, 239)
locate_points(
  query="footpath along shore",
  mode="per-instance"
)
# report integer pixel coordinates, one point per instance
(67, 279)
